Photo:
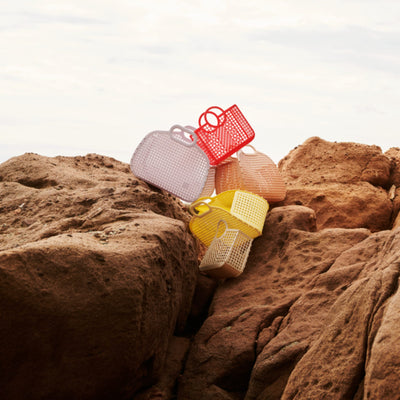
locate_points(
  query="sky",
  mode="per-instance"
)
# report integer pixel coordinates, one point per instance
(95, 76)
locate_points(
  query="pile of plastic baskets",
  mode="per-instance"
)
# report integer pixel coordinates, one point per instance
(239, 209)
(194, 163)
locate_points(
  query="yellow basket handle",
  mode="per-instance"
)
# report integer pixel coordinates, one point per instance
(199, 202)
(226, 227)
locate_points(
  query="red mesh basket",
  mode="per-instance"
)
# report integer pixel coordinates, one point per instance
(222, 133)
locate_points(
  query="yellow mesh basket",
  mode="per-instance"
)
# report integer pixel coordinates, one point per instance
(227, 255)
(240, 209)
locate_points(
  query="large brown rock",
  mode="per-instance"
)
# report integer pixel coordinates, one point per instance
(394, 192)
(345, 183)
(313, 312)
(97, 272)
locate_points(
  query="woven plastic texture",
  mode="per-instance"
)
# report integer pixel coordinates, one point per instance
(228, 176)
(250, 208)
(171, 161)
(229, 134)
(209, 186)
(227, 255)
(260, 175)
(249, 216)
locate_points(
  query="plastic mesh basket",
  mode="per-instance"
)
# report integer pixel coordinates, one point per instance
(227, 255)
(222, 133)
(228, 176)
(254, 172)
(171, 161)
(209, 186)
(240, 209)
(260, 175)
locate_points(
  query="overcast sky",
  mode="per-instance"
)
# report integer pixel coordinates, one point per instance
(94, 76)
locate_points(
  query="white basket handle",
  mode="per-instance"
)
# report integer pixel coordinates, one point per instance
(183, 139)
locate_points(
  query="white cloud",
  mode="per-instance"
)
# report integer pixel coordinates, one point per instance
(96, 76)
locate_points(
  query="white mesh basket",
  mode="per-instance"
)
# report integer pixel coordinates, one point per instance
(227, 255)
(172, 161)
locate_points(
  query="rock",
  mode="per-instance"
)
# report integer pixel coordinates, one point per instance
(262, 323)
(355, 337)
(97, 273)
(394, 155)
(345, 183)
(339, 205)
(164, 389)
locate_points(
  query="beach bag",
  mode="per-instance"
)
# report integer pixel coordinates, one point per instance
(209, 186)
(222, 133)
(238, 208)
(227, 255)
(255, 172)
(172, 161)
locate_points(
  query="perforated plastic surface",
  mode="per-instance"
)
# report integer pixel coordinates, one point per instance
(171, 161)
(230, 132)
(245, 212)
(228, 175)
(227, 255)
(260, 175)
(250, 208)
(209, 186)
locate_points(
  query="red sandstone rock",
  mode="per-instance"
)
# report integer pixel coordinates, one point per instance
(345, 183)
(97, 271)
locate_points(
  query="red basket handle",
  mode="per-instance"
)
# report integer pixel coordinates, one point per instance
(208, 111)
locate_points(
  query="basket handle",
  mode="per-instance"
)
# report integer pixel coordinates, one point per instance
(241, 150)
(189, 142)
(226, 227)
(208, 111)
(200, 202)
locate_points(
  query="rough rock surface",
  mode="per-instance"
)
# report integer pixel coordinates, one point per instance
(97, 272)
(313, 316)
(345, 183)
(394, 192)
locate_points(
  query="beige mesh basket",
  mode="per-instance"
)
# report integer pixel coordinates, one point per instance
(227, 255)
(254, 172)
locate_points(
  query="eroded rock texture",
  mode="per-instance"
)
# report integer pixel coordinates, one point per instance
(310, 318)
(101, 296)
(345, 183)
(97, 273)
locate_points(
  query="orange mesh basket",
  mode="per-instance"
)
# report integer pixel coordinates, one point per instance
(240, 209)
(227, 255)
(254, 172)
(228, 176)
(260, 175)
(209, 186)
(222, 133)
